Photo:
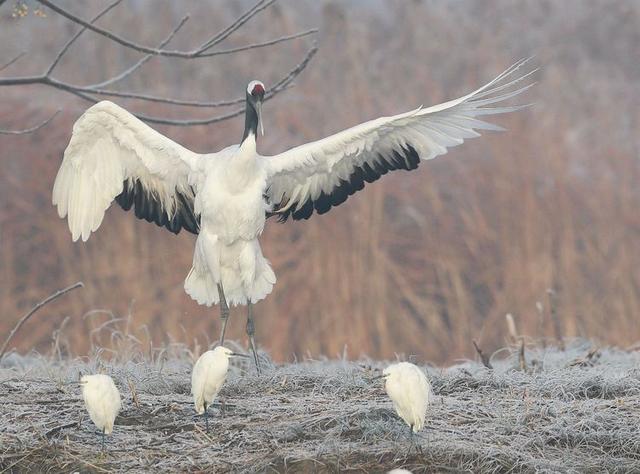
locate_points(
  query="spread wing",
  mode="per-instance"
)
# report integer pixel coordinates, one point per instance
(323, 174)
(114, 156)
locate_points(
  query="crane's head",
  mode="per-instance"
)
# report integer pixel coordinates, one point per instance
(255, 97)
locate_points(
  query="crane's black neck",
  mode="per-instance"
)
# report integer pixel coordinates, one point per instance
(250, 120)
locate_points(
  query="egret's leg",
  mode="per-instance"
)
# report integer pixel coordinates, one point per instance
(251, 329)
(224, 312)
(412, 438)
(102, 439)
(206, 416)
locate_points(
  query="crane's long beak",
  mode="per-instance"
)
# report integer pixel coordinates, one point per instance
(259, 112)
(378, 377)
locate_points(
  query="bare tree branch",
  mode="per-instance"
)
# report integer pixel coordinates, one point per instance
(278, 87)
(127, 72)
(196, 53)
(91, 93)
(241, 20)
(282, 39)
(44, 302)
(6, 65)
(483, 357)
(66, 47)
(29, 130)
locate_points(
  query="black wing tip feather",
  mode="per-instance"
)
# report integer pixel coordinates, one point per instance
(148, 207)
(407, 158)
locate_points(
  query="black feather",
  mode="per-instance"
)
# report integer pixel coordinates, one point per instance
(404, 158)
(147, 206)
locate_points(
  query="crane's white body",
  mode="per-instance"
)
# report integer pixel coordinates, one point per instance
(232, 210)
(208, 376)
(410, 391)
(102, 400)
(111, 153)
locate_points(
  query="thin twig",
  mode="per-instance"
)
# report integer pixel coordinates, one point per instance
(587, 360)
(73, 39)
(237, 23)
(88, 93)
(511, 328)
(6, 65)
(127, 72)
(279, 87)
(483, 357)
(54, 430)
(263, 44)
(196, 53)
(26, 317)
(553, 310)
(521, 358)
(29, 130)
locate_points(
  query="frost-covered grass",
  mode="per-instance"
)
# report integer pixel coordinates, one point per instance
(327, 415)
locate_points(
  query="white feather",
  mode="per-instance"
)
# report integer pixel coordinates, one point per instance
(102, 400)
(107, 147)
(308, 170)
(208, 375)
(410, 391)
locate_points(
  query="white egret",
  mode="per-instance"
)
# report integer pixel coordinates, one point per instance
(102, 400)
(226, 197)
(410, 391)
(208, 376)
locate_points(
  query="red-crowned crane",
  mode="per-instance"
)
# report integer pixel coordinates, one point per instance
(225, 197)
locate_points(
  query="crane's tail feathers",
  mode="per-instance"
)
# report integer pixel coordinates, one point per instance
(201, 287)
(202, 281)
(241, 268)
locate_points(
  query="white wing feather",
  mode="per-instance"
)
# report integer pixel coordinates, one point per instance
(313, 171)
(108, 147)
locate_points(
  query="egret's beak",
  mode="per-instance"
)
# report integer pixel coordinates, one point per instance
(378, 377)
(237, 354)
(259, 112)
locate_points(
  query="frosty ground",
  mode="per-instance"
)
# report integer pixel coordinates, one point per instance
(573, 410)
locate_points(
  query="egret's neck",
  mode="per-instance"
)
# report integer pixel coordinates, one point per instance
(250, 122)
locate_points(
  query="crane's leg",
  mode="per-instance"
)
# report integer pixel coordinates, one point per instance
(251, 330)
(206, 416)
(224, 312)
(103, 440)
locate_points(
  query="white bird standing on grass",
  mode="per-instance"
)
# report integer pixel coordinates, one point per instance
(410, 391)
(226, 197)
(208, 376)
(102, 400)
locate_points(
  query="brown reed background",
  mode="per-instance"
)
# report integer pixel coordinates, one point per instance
(418, 263)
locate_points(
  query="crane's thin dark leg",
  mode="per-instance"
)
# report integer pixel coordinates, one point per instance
(251, 329)
(206, 416)
(103, 440)
(224, 312)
